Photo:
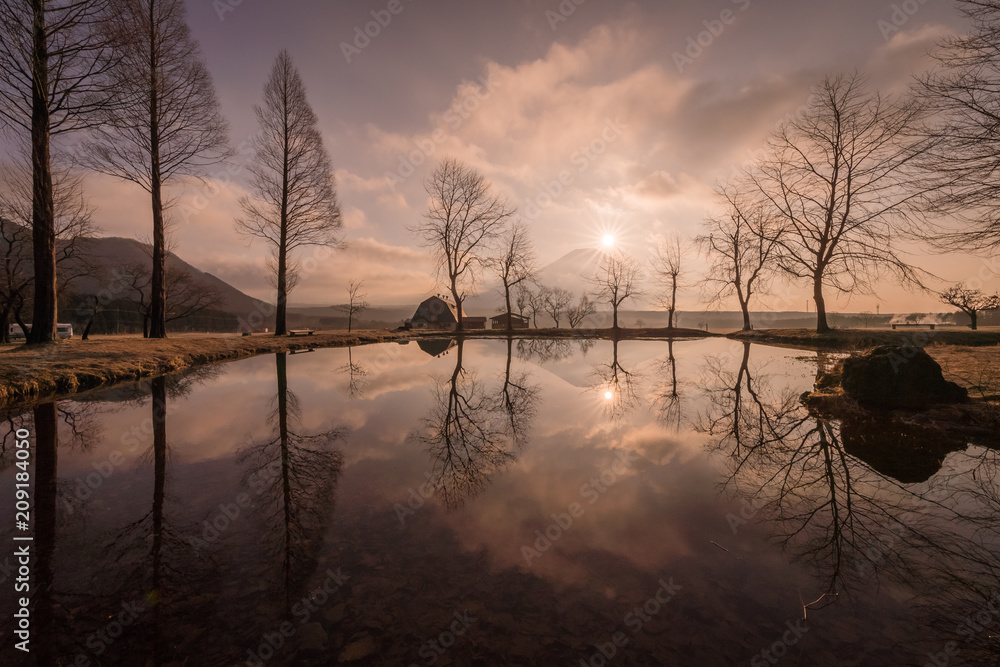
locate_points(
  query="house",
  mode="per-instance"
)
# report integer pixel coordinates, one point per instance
(473, 322)
(437, 313)
(517, 321)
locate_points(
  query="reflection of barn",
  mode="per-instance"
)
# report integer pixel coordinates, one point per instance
(439, 313)
(500, 321)
(436, 346)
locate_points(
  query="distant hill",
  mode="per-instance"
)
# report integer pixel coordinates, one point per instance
(113, 252)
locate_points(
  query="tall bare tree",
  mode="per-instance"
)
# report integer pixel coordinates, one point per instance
(970, 301)
(357, 302)
(740, 245)
(53, 57)
(840, 179)
(295, 198)
(73, 223)
(667, 267)
(616, 280)
(462, 220)
(172, 125)
(963, 93)
(515, 264)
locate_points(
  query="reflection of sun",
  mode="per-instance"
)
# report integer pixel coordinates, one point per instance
(608, 240)
(608, 395)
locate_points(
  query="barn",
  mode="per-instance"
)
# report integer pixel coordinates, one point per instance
(437, 313)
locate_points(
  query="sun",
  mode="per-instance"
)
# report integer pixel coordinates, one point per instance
(608, 240)
(608, 395)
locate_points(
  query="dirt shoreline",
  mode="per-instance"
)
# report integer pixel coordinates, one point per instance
(861, 339)
(62, 369)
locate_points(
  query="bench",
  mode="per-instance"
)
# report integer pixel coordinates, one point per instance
(925, 324)
(300, 332)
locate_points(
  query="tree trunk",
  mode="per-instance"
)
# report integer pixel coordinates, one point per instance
(43, 226)
(614, 318)
(673, 303)
(458, 308)
(510, 319)
(821, 323)
(281, 315)
(350, 317)
(5, 323)
(745, 309)
(974, 315)
(158, 289)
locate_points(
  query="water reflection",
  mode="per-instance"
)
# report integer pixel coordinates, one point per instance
(294, 476)
(474, 431)
(856, 520)
(618, 387)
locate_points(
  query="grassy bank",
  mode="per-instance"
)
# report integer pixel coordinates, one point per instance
(860, 339)
(64, 368)
(68, 367)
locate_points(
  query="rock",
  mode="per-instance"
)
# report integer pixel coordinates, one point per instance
(891, 376)
(358, 650)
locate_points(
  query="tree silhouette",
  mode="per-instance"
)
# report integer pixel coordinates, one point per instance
(170, 127)
(294, 203)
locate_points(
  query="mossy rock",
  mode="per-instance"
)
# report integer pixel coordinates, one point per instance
(892, 376)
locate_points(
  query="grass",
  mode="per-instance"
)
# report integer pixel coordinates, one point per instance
(862, 339)
(29, 373)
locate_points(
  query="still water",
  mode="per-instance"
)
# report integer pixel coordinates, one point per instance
(495, 503)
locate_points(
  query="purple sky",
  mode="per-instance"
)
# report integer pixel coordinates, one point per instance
(606, 77)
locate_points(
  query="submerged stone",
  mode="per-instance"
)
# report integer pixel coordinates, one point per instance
(891, 376)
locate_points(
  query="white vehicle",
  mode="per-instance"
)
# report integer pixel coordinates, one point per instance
(64, 331)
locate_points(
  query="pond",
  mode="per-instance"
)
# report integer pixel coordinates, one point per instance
(497, 502)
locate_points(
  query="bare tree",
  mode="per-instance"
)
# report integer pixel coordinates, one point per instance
(583, 309)
(53, 57)
(555, 301)
(515, 265)
(667, 266)
(172, 125)
(740, 245)
(464, 217)
(357, 302)
(970, 302)
(295, 203)
(73, 223)
(186, 295)
(964, 95)
(616, 281)
(532, 300)
(839, 178)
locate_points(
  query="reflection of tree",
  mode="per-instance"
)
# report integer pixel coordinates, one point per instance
(544, 350)
(295, 476)
(667, 397)
(357, 376)
(472, 432)
(850, 522)
(618, 387)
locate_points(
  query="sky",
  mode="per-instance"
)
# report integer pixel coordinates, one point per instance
(618, 100)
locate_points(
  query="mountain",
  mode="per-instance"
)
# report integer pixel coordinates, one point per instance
(112, 252)
(572, 270)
